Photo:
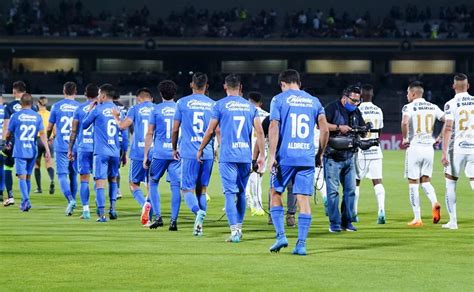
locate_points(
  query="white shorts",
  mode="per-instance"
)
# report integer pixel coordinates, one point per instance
(369, 168)
(459, 161)
(419, 162)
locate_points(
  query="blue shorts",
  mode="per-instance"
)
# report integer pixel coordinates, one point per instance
(106, 166)
(234, 176)
(85, 161)
(159, 166)
(64, 165)
(301, 176)
(195, 174)
(136, 173)
(24, 166)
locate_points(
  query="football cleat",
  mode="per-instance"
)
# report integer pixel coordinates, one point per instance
(70, 207)
(147, 225)
(334, 228)
(198, 222)
(113, 215)
(173, 225)
(281, 242)
(145, 217)
(234, 238)
(25, 206)
(436, 211)
(300, 248)
(101, 219)
(38, 191)
(119, 194)
(85, 215)
(9, 202)
(51, 188)
(381, 218)
(450, 225)
(157, 223)
(415, 223)
(349, 227)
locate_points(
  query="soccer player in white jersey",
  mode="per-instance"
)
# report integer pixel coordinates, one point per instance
(418, 118)
(458, 143)
(254, 186)
(369, 162)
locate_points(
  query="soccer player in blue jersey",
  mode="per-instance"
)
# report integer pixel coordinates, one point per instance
(106, 149)
(192, 117)
(235, 116)
(123, 137)
(24, 127)
(61, 116)
(138, 116)
(293, 116)
(19, 88)
(160, 127)
(85, 146)
(2, 171)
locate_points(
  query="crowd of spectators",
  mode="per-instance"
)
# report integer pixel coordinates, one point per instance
(71, 19)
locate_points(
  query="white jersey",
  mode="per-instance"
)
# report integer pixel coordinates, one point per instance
(422, 116)
(460, 110)
(371, 113)
(261, 115)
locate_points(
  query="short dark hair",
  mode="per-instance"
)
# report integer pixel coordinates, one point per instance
(255, 96)
(70, 88)
(116, 94)
(200, 79)
(19, 86)
(233, 80)
(91, 90)
(108, 90)
(367, 87)
(416, 84)
(143, 89)
(460, 77)
(26, 99)
(351, 89)
(289, 76)
(167, 89)
(42, 97)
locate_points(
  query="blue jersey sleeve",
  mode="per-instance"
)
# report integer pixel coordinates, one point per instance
(89, 118)
(275, 109)
(52, 115)
(76, 114)
(131, 113)
(177, 114)
(216, 113)
(124, 145)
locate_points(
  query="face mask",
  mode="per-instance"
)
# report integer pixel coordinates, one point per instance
(350, 107)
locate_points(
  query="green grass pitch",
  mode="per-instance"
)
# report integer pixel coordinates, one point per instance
(45, 250)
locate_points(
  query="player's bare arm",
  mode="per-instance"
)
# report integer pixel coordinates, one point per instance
(174, 139)
(72, 139)
(323, 134)
(257, 124)
(210, 132)
(447, 131)
(148, 140)
(404, 126)
(273, 136)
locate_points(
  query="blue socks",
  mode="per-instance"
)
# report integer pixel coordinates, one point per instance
(231, 208)
(84, 192)
(28, 185)
(73, 183)
(202, 201)
(100, 200)
(155, 198)
(176, 200)
(241, 206)
(65, 186)
(113, 189)
(191, 202)
(24, 190)
(277, 213)
(304, 222)
(138, 196)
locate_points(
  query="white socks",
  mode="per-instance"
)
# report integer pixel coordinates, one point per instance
(472, 184)
(356, 199)
(415, 200)
(451, 199)
(380, 195)
(429, 192)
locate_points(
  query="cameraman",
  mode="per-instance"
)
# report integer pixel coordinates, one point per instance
(342, 115)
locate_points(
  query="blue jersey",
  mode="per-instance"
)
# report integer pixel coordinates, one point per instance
(14, 107)
(297, 112)
(106, 140)
(194, 112)
(2, 117)
(235, 116)
(140, 115)
(85, 138)
(62, 114)
(162, 119)
(24, 126)
(123, 134)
